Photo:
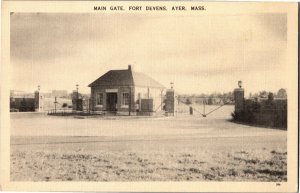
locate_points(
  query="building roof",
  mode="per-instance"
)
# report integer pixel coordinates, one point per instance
(126, 78)
(143, 80)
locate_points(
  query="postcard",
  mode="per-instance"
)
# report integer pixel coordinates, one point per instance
(149, 96)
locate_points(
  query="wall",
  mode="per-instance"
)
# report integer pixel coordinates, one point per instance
(26, 103)
(22, 104)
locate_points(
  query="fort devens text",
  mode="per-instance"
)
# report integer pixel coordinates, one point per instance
(148, 8)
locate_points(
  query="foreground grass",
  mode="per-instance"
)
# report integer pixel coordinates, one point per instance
(188, 160)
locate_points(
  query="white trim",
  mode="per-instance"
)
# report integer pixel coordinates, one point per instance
(111, 90)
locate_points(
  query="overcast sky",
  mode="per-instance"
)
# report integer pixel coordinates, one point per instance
(200, 54)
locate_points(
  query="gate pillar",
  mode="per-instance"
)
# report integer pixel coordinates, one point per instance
(38, 101)
(170, 102)
(239, 98)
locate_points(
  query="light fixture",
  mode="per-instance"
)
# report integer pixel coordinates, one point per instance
(240, 84)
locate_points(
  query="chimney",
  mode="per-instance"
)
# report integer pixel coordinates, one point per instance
(129, 67)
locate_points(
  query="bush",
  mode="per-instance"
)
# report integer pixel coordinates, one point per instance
(188, 101)
(243, 116)
(64, 105)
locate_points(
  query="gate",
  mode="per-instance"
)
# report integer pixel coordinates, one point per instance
(219, 102)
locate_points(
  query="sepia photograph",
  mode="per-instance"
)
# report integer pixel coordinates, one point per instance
(152, 93)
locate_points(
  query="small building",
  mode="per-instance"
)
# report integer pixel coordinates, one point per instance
(126, 92)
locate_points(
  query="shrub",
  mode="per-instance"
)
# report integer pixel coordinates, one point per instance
(64, 105)
(269, 112)
(243, 116)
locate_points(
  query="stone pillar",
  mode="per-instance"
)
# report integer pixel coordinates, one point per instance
(76, 101)
(239, 99)
(170, 102)
(38, 101)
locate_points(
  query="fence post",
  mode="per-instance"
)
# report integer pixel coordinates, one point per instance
(191, 110)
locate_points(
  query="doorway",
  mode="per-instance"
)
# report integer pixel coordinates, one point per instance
(111, 101)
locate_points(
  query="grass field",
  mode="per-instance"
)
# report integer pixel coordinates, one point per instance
(181, 148)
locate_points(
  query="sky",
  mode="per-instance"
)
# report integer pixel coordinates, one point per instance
(199, 53)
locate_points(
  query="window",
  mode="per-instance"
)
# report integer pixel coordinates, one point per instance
(99, 98)
(125, 99)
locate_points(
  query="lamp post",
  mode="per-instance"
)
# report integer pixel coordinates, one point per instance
(172, 84)
(240, 84)
(239, 97)
(77, 102)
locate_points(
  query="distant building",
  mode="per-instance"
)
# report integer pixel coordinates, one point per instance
(59, 93)
(20, 94)
(126, 92)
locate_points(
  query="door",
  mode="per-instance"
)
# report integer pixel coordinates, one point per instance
(111, 101)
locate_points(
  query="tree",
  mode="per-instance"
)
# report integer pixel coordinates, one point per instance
(282, 93)
(270, 97)
(65, 105)
(188, 101)
(250, 95)
(263, 94)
